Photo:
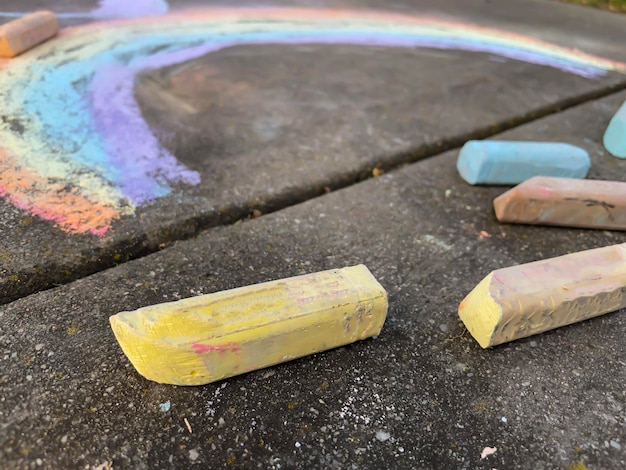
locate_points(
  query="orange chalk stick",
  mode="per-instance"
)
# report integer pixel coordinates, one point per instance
(26, 32)
(527, 299)
(565, 202)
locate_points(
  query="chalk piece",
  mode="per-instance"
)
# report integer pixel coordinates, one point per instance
(211, 337)
(524, 300)
(566, 202)
(26, 32)
(615, 135)
(501, 162)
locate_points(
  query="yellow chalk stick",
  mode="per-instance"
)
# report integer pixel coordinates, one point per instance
(26, 32)
(211, 337)
(524, 300)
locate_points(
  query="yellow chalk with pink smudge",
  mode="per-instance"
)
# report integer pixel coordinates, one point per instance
(527, 299)
(211, 337)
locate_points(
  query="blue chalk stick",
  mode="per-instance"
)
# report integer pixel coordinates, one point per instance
(615, 135)
(507, 162)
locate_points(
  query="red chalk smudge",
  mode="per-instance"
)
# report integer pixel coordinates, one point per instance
(200, 348)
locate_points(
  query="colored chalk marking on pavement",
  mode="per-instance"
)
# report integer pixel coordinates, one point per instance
(109, 9)
(615, 136)
(20, 35)
(565, 202)
(524, 300)
(501, 162)
(211, 337)
(85, 128)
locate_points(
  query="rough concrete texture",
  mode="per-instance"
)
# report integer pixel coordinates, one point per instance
(421, 395)
(270, 126)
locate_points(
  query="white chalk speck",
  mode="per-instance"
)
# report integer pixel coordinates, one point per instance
(382, 436)
(165, 407)
(504, 420)
(298, 445)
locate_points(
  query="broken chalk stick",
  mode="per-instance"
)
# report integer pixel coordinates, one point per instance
(524, 300)
(615, 135)
(566, 202)
(26, 32)
(211, 337)
(508, 162)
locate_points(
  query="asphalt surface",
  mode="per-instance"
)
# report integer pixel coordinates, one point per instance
(279, 135)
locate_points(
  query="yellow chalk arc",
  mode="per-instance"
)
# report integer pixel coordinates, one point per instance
(211, 337)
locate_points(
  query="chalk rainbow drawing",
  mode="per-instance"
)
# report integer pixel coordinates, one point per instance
(74, 148)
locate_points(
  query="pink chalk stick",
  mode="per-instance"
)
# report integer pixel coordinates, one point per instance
(565, 202)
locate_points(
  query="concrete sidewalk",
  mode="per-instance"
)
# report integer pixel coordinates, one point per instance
(268, 126)
(421, 395)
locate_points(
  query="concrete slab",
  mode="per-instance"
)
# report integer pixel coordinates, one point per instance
(266, 126)
(421, 395)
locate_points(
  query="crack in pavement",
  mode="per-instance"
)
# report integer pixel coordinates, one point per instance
(36, 279)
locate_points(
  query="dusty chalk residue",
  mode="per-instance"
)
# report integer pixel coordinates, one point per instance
(433, 241)
(211, 404)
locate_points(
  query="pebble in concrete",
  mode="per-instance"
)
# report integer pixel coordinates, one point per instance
(511, 162)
